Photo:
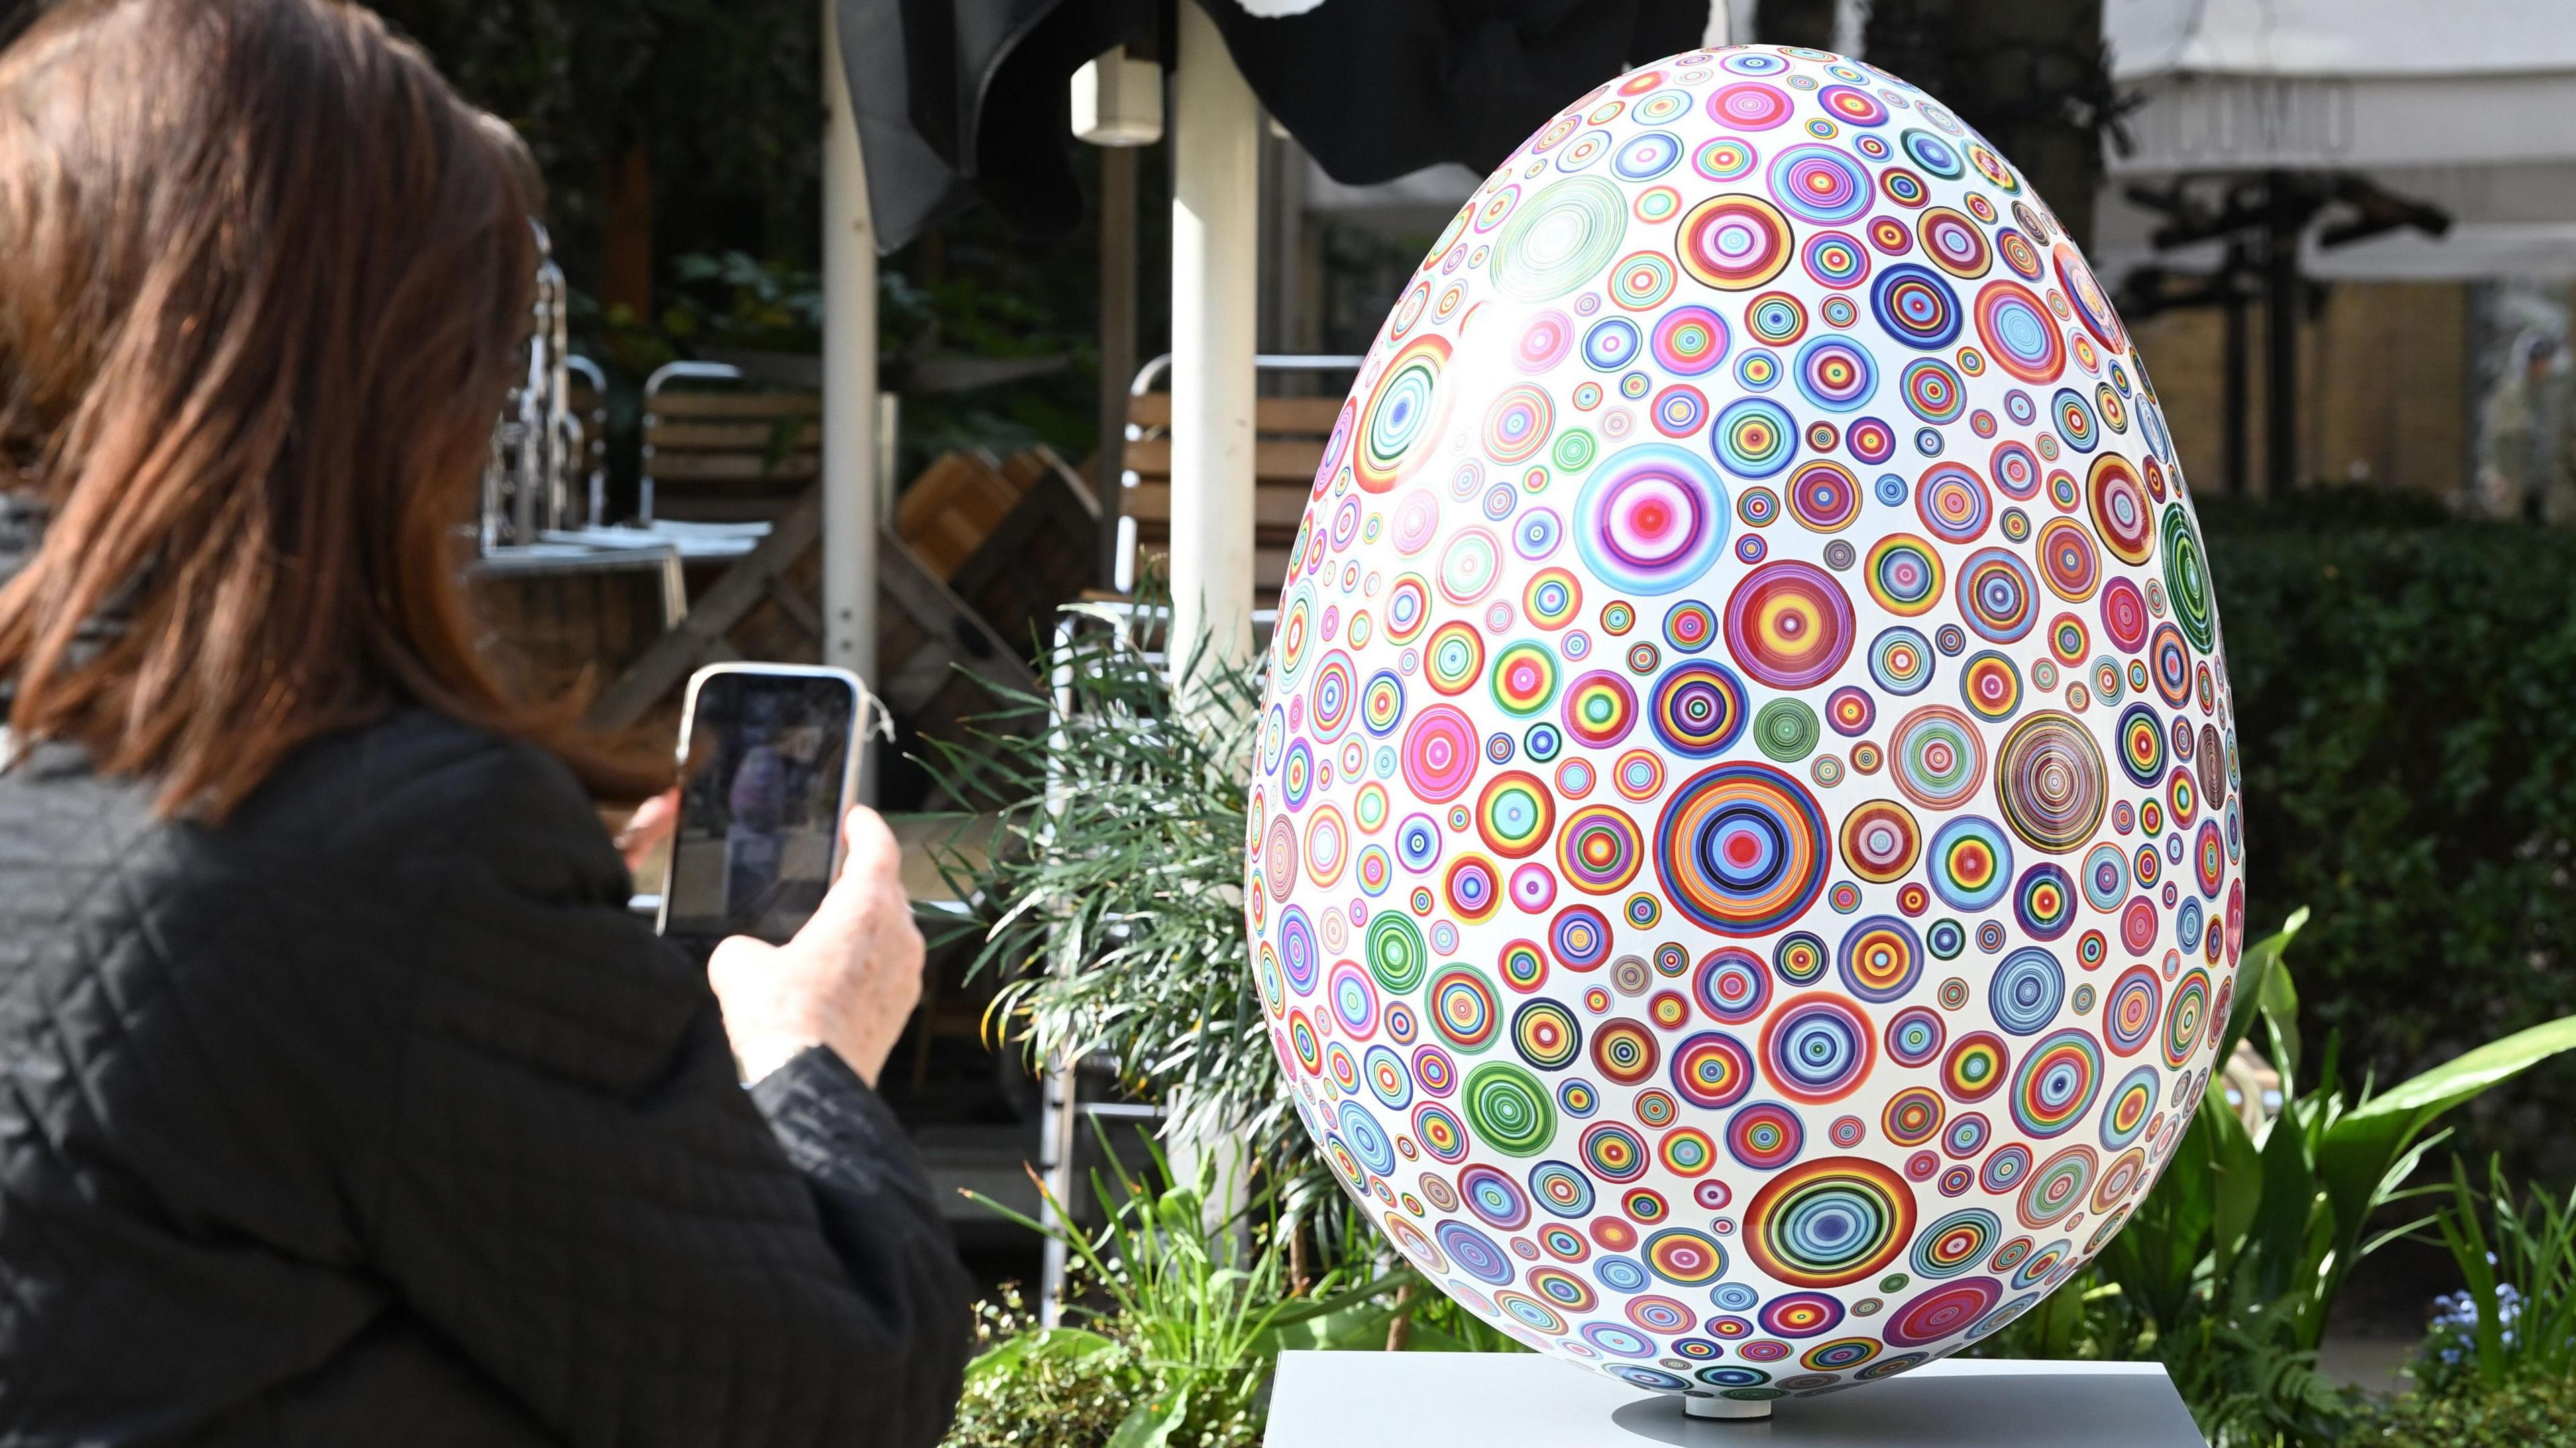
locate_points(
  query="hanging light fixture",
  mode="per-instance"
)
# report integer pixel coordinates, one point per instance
(1118, 100)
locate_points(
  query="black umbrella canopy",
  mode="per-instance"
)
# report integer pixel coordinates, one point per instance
(1376, 88)
(960, 100)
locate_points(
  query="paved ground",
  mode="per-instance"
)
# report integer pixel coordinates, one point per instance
(2376, 1363)
(2379, 1318)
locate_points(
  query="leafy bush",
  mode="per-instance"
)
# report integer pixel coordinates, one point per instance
(1110, 900)
(2520, 1413)
(2406, 702)
(1181, 1333)
(1186, 1310)
(1031, 1387)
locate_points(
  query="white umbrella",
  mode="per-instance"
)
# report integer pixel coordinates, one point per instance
(2463, 104)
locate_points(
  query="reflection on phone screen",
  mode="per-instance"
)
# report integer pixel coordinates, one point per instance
(761, 807)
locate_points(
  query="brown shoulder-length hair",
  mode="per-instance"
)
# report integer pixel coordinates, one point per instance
(264, 282)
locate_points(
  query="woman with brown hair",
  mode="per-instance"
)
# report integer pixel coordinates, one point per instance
(341, 1099)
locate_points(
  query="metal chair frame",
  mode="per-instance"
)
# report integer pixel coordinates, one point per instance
(654, 386)
(1123, 577)
(538, 443)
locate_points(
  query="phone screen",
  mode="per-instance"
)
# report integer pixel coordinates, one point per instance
(761, 809)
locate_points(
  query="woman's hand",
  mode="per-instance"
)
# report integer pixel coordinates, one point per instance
(654, 821)
(850, 978)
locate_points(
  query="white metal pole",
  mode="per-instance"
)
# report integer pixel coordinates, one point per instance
(1216, 282)
(1060, 1089)
(850, 483)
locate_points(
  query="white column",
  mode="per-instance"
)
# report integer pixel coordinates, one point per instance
(1730, 22)
(850, 484)
(1216, 282)
(1851, 18)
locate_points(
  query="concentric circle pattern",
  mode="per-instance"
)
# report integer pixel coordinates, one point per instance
(1743, 871)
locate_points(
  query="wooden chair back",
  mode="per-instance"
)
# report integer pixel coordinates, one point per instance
(1289, 434)
(716, 451)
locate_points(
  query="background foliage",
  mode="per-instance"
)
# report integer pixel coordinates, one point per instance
(2406, 695)
(724, 99)
(725, 94)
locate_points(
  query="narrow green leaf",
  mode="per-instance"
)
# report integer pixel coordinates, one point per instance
(2260, 960)
(1067, 1345)
(1002, 1358)
(2467, 1240)
(1357, 1328)
(2360, 1151)
(2235, 1180)
(2279, 1234)
(2281, 1022)
(2464, 1076)
(1321, 1306)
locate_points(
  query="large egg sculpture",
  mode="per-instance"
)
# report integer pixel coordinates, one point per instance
(1745, 857)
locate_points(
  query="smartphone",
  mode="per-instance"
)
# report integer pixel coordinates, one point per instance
(769, 754)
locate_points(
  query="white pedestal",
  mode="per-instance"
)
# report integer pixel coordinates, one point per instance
(1514, 1400)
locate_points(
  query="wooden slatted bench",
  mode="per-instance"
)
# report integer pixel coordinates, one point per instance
(1288, 445)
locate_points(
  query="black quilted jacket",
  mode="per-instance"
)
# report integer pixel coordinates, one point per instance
(373, 1118)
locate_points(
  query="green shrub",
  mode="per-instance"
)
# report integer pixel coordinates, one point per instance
(1184, 1310)
(2406, 701)
(1109, 898)
(2521, 1413)
(1050, 1390)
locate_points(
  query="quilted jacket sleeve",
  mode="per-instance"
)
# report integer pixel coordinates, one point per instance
(573, 1188)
